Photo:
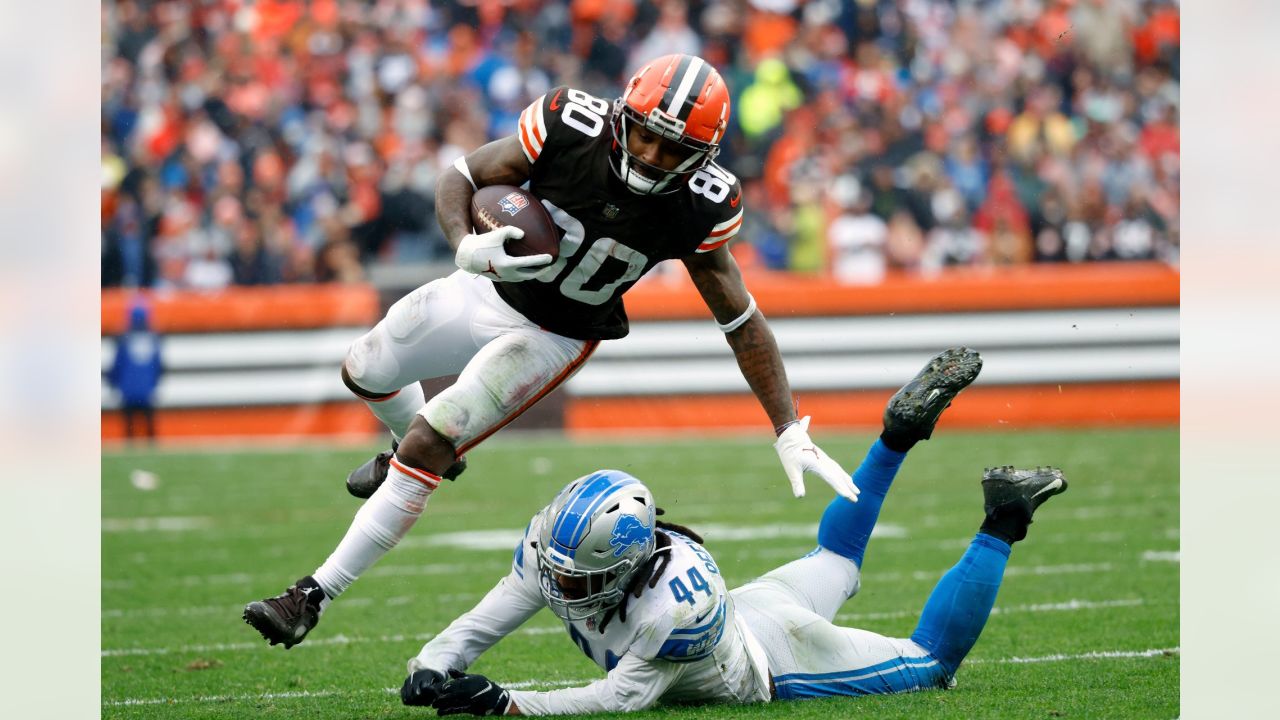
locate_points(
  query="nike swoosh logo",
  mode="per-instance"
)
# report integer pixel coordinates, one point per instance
(703, 616)
(555, 101)
(933, 394)
(736, 199)
(1057, 483)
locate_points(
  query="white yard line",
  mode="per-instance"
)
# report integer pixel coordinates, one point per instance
(549, 684)
(247, 579)
(1172, 556)
(155, 524)
(1069, 605)
(1096, 655)
(335, 640)
(159, 612)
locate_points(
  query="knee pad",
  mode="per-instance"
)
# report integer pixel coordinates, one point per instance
(371, 368)
(451, 419)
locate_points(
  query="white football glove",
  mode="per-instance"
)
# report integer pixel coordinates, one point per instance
(484, 254)
(799, 455)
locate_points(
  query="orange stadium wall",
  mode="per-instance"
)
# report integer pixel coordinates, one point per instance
(1064, 346)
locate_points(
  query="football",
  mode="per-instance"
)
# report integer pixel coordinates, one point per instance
(495, 206)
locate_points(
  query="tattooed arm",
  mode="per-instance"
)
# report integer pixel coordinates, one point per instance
(718, 280)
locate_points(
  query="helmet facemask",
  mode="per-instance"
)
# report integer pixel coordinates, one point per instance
(644, 178)
(574, 594)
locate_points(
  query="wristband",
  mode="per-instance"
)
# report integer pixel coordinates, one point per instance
(783, 427)
(741, 319)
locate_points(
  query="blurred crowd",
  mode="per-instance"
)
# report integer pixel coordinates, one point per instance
(275, 141)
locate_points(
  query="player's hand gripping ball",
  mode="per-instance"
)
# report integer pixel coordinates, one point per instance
(514, 237)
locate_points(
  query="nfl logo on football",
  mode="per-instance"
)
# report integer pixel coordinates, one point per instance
(513, 203)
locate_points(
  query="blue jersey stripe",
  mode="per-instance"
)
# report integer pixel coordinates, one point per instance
(684, 645)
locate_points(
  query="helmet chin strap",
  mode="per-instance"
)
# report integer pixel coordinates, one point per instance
(638, 183)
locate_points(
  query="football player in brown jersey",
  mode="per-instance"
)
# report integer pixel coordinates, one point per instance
(632, 183)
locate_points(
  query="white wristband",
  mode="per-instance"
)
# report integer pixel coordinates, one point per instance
(741, 319)
(461, 166)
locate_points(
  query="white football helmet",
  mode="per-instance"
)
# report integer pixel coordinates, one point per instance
(595, 535)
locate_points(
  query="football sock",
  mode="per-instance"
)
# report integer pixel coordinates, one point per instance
(898, 443)
(383, 520)
(397, 411)
(958, 608)
(846, 526)
(1009, 521)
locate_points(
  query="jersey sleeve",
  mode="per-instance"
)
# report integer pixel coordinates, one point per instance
(633, 684)
(718, 201)
(694, 632)
(549, 122)
(507, 606)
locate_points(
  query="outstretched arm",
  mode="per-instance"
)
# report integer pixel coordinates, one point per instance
(507, 606)
(719, 281)
(633, 684)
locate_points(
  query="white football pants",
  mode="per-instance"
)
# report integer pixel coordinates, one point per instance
(790, 612)
(460, 324)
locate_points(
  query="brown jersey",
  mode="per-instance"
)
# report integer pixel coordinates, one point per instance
(612, 236)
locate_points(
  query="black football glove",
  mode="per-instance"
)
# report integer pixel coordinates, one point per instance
(474, 694)
(422, 688)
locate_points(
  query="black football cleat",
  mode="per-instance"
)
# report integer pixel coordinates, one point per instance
(1005, 484)
(366, 479)
(914, 410)
(289, 616)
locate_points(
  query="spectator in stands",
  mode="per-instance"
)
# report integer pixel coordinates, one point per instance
(857, 236)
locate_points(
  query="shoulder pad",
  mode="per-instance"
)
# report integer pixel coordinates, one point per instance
(717, 200)
(563, 116)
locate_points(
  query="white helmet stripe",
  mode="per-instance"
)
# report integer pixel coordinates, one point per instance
(686, 84)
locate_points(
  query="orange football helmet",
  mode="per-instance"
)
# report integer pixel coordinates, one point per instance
(677, 97)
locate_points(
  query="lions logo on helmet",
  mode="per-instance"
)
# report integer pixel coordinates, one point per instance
(629, 531)
(594, 536)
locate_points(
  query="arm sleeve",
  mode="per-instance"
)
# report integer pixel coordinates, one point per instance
(633, 684)
(718, 196)
(532, 129)
(562, 118)
(541, 125)
(506, 607)
(721, 233)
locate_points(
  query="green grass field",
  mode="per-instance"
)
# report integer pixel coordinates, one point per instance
(1086, 624)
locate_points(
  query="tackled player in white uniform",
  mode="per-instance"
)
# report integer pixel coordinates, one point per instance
(646, 602)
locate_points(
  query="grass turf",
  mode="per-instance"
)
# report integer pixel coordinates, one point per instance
(1095, 584)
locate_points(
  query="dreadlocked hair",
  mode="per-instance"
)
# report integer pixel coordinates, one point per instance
(649, 573)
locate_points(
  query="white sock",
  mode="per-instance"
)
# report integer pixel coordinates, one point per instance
(397, 411)
(380, 524)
